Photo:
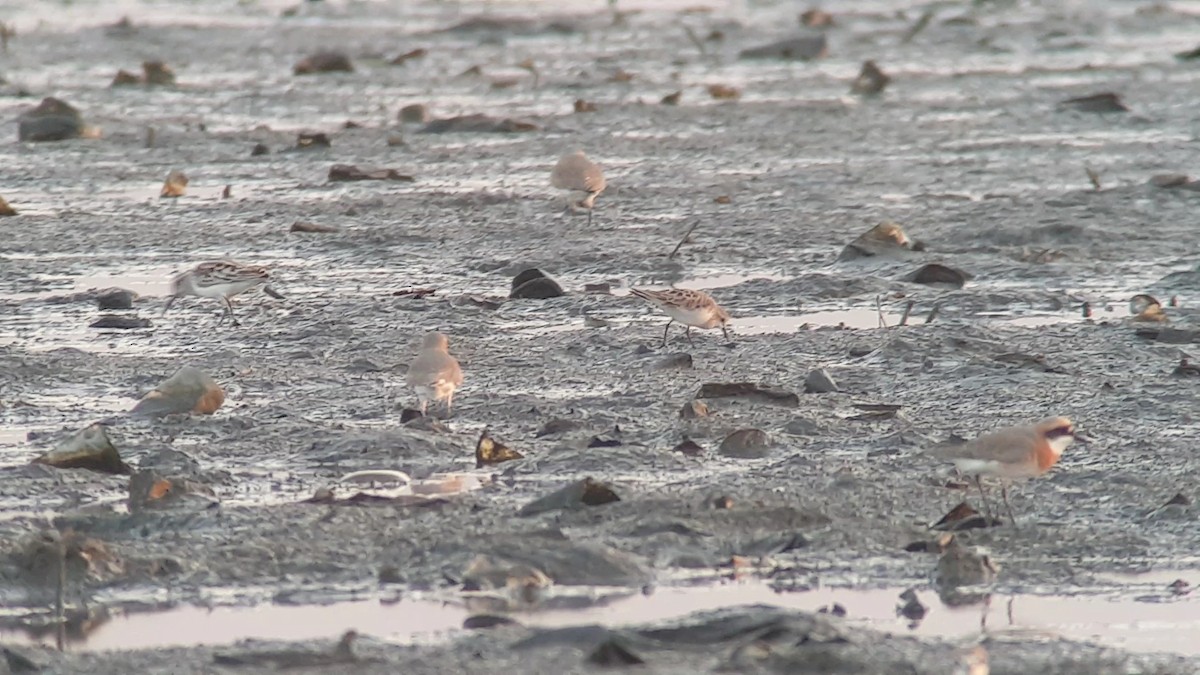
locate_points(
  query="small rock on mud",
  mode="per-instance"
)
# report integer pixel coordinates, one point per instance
(870, 81)
(803, 48)
(347, 172)
(746, 444)
(935, 274)
(886, 237)
(1106, 102)
(115, 298)
(189, 390)
(819, 381)
(478, 124)
(534, 284)
(148, 489)
(51, 120)
(489, 451)
(89, 448)
(175, 185)
(586, 492)
(749, 390)
(324, 62)
(416, 113)
(120, 322)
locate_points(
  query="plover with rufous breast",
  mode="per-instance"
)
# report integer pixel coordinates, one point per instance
(580, 179)
(1011, 453)
(693, 309)
(221, 279)
(434, 374)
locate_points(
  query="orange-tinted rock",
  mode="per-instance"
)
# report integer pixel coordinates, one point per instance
(187, 391)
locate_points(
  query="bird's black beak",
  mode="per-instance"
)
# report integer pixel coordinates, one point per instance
(1080, 438)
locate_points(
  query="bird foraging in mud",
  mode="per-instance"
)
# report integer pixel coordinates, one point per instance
(1011, 453)
(580, 179)
(221, 279)
(434, 374)
(690, 308)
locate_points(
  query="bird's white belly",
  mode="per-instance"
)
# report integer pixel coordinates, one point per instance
(438, 391)
(985, 467)
(700, 318)
(226, 290)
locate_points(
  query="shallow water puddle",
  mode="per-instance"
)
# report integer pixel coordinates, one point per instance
(859, 319)
(1107, 619)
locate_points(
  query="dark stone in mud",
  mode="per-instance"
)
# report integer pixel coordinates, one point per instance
(689, 448)
(259, 150)
(604, 442)
(89, 448)
(189, 390)
(570, 563)
(484, 621)
(870, 81)
(586, 492)
(51, 120)
(18, 663)
(559, 425)
(116, 298)
(533, 284)
(347, 172)
(935, 274)
(478, 124)
(682, 360)
(313, 141)
(1169, 335)
(886, 238)
(803, 48)
(148, 489)
(416, 113)
(1169, 180)
(748, 390)
(693, 409)
(1106, 102)
(124, 78)
(489, 451)
(911, 609)
(324, 62)
(746, 444)
(613, 653)
(819, 382)
(157, 73)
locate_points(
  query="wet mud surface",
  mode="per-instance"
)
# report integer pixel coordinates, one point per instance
(968, 148)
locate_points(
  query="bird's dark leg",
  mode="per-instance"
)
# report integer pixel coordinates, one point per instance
(987, 508)
(668, 327)
(1004, 495)
(589, 218)
(688, 332)
(229, 310)
(725, 331)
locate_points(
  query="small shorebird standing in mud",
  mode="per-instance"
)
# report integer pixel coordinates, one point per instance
(1012, 453)
(220, 279)
(580, 179)
(434, 374)
(688, 307)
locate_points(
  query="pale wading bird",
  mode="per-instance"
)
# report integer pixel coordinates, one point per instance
(690, 308)
(580, 179)
(1011, 453)
(220, 279)
(434, 374)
